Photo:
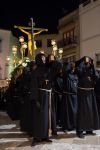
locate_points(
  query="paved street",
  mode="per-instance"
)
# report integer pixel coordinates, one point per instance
(12, 139)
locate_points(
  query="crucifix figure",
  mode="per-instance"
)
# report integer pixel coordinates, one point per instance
(26, 30)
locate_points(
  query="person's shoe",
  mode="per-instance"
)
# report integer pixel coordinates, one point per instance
(30, 135)
(90, 133)
(65, 131)
(80, 135)
(35, 141)
(54, 134)
(46, 140)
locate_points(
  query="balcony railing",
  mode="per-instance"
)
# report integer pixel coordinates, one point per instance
(98, 63)
(67, 42)
(86, 2)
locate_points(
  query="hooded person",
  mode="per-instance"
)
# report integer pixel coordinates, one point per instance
(97, 91)
(55, 76)
(26, 110)
(57, 83)
(13, 94)
(69, 98)
(40, 93)
(87, 106)
(49, 63)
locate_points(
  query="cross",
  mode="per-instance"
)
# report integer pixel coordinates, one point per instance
(31, 42)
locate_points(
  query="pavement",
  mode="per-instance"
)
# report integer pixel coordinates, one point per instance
(11, 138)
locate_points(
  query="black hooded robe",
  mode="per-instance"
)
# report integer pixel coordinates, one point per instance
(69, 100)
(40, 92)
(87, 113)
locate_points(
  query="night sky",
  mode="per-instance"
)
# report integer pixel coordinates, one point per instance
(45, 13)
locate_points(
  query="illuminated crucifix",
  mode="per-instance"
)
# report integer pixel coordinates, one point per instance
(31, 42)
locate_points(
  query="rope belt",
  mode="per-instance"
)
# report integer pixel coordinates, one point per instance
(45, 90)
(57, 92)
(69, 93)
(87, 89)
(15, 96)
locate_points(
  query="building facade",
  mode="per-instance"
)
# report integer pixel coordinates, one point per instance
(69, 36)
(89, 12)
(43, 43)
(7, 40)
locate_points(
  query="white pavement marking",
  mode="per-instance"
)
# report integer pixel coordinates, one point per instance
(2, 113)
(12, 132)
(6, 140)
(8, 126)
(57, 146)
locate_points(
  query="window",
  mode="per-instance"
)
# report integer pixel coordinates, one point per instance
(38, 43)
(98, 60)
(70, 33)
(69, 37)
(49, 43)
(70, 59)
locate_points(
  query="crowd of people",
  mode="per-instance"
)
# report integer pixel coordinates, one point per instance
(2, 98)
(48, 93)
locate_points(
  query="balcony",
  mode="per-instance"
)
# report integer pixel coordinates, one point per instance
(68, 42)
(86, 2)
(97, 63)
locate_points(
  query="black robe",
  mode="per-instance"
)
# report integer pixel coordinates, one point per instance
(69, 101)
(87, 113)
(13, 98)
(55, 76)
(57, 91)
(40, 92)
(26, 106)
(97, 92)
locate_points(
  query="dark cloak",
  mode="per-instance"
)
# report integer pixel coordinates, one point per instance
(87, 113)
(26, 106)
(69, 99)
(40, 100)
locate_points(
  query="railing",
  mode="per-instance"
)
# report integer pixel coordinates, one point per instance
(67, 42)
(86, 2)
(98, 63)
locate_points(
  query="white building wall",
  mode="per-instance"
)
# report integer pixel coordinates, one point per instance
(66, 24)
(5, 38)
(44, 37)
(7, 41)
(90, 47)
(90, 29)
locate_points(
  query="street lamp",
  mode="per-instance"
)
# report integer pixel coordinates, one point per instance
(56, 51)
(60, 51)
(53, 42)
(8, 58)
(14, 51)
